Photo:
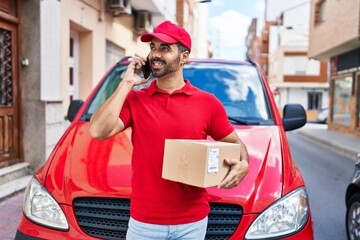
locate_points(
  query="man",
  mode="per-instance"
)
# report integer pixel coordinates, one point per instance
(170, 108)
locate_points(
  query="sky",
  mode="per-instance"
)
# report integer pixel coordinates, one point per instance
(229, 21)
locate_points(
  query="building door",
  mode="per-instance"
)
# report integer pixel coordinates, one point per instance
(74, 66)
(9, 102)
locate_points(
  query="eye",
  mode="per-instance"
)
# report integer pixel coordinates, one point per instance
(165, 49)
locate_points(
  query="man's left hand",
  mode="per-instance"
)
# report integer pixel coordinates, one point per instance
(238, 170)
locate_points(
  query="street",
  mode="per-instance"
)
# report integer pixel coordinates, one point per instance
(10, 212)
(326, 175)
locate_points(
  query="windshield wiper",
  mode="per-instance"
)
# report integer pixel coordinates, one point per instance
(237, 120)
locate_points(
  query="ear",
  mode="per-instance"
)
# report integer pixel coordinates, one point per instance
(184, 57)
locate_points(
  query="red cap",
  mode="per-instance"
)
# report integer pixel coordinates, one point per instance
(169, 32)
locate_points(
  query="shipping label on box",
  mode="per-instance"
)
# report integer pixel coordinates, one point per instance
(198, 162)
(213, 161)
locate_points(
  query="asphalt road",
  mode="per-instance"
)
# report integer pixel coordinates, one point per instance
(326, 175)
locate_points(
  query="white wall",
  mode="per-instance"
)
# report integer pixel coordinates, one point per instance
(301, 65)
(275, 7)
(50, 51)
(274, 36)
(167, 9)
(298, 18)
(200, 35)
(299, 95)
(292, 37)
(295, 28)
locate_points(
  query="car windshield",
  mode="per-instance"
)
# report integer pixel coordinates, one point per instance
(237, 86)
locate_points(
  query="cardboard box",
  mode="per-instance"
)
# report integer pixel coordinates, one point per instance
(198, 162)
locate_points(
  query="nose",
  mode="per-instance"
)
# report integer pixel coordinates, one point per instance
(155, 54)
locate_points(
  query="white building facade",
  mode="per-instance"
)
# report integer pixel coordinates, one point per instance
(292, 75)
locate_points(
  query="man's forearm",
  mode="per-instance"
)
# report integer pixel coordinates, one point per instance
(106, 118)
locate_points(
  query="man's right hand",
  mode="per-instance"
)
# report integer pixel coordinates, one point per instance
(105, 122)
(133, 70)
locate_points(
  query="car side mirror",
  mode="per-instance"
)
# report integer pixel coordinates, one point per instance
(294, 116)
(74, 107)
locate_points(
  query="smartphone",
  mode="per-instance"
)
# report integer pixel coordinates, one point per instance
(146, 69)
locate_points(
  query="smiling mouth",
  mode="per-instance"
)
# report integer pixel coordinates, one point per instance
(157, 64)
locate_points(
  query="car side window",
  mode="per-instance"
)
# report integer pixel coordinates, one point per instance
(108, 87)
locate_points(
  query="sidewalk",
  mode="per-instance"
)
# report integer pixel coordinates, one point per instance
(10, 212)
(346, 145)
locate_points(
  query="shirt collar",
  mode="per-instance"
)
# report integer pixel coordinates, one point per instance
(186, 89)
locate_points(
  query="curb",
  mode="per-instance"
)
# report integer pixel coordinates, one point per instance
(10, 188)
(335, 147)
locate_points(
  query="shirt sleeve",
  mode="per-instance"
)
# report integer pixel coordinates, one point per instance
(220, 125)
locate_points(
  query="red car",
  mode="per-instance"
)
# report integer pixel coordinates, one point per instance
(82, 191)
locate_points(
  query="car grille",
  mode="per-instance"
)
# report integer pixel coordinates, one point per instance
(107, 218)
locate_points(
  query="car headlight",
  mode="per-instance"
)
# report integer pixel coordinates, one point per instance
(286, 216)
(40, 207)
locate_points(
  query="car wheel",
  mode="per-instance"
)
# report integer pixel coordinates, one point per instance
(353, 218)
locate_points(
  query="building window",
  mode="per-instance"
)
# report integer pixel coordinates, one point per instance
(320, 11)
(71, 47)
(314, 100)
(341, 100)
(113, 54)
(74, 53)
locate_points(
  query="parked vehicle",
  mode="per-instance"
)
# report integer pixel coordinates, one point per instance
(82, 191)
(322, 115)
(352, 200)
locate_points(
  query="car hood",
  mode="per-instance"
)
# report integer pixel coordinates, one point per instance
(83, 166)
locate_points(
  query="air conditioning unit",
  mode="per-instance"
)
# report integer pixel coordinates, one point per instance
(143, 21)
(119, 7)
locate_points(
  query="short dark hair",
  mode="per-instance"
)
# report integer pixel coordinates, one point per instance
(182, 48)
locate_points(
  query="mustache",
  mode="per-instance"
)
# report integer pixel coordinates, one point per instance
(157, 59)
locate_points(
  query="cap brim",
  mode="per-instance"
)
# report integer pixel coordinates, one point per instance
(147, 37)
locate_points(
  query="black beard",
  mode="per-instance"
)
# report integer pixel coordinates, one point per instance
(168, 68)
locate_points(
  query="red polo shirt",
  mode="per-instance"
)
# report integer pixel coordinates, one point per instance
(155, 115)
